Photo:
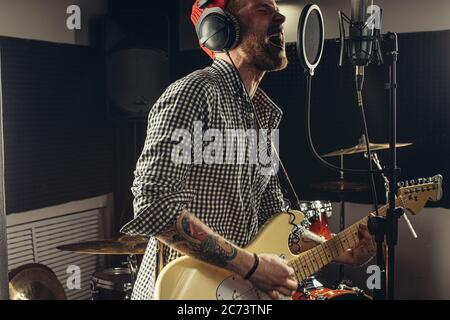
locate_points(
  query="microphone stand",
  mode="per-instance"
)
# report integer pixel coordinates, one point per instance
(387, 228)
(382, 228)
(393, 214)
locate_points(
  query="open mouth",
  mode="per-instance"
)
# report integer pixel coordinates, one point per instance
(277, 40)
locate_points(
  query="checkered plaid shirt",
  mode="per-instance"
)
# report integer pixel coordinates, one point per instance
(234, 200)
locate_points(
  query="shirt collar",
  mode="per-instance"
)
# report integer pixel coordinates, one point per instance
(229, 75)
(268, 112)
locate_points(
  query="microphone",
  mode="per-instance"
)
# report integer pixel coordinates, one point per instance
(363, 40)
(361, 43)
(361, 34)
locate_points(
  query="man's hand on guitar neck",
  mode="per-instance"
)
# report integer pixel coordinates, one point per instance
(363, 252)
(191, 236)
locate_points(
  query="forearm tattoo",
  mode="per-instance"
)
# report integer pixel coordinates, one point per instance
(190, 236)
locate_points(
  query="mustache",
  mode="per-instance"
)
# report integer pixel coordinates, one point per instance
(275, 30)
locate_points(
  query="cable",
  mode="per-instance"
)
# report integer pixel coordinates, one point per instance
(311, 144)
(369, 152)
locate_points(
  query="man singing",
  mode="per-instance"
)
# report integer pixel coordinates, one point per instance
(212, 211)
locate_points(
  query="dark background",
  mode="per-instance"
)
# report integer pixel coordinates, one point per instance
(423, 112)
(58, 141)
(62, 145)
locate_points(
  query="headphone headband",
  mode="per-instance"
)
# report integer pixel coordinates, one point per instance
(203, 3)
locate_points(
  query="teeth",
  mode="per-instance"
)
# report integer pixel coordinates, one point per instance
(277, 40)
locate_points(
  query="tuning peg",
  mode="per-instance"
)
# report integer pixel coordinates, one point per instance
(420, 181)
(412, 182)
(400, 184)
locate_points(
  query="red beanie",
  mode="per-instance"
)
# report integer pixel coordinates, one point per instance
(197, 12)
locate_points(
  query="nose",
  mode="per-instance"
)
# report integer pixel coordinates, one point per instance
(279, 18)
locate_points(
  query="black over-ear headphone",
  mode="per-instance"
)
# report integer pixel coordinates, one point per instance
(217, 29)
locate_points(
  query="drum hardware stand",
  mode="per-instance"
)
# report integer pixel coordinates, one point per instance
(342, 218)
(359, 292)
(305, 291)
(133, 266)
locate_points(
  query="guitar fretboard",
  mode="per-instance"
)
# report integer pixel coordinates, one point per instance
(310, 262)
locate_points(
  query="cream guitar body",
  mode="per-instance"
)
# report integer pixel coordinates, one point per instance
(189, 278)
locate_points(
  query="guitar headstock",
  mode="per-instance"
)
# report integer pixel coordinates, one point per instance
(415, 194)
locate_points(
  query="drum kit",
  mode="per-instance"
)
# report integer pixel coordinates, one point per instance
(117, 283)
(113, 283)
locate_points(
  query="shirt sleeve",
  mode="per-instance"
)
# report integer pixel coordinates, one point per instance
(272, 201)
(158, 186)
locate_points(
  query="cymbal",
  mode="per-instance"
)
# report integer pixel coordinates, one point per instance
(361, 147)
(123, 245)
(340, 186)
(35, 282)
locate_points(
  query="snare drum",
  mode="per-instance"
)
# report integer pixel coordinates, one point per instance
(311, 289)
(330, 294)
(112, 284)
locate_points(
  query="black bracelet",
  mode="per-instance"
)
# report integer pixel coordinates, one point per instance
(253, 269)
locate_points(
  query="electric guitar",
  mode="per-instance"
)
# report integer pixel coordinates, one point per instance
(191, 279)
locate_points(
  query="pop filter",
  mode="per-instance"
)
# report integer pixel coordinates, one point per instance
(310, 37)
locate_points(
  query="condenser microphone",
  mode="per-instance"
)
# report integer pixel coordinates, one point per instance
(362, 41)
(361, 34)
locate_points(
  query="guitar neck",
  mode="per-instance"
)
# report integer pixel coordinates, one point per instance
(310, 262)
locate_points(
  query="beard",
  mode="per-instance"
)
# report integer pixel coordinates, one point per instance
(263, 55)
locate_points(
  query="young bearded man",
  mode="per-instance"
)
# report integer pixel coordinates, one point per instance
(212, 211)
